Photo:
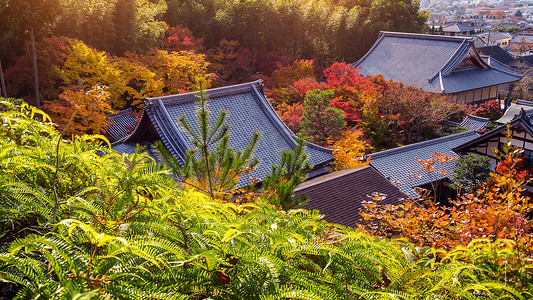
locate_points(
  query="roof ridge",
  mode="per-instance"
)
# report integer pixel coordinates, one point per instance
(191, 96)
(496, 131)
(380, 38)
(126, 111)
(457, 57)
(523, 102)
(427, 36)
(326, 179)
(419, 144)
(502, 66)
(477, 117)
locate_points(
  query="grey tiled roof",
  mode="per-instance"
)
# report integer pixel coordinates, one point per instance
(496, 64)
(339, 195)
(485, 40)
(496, 52)
(430, 62)
(475, 123)
(458, 27)
(519, 124)
(476, 78)
(514, 110)
(248, 111)
(122, 124)
(400, 165)
(526, 38)
(527, 58)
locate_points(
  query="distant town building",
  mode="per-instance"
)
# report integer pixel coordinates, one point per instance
(522, 63)
(497, 53)
(521, 45)
(519, 116)
(501, 39)
(458, 29)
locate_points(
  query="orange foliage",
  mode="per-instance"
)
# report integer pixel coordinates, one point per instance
(498, 13)
(177, 70)
(291, 115)
(80, 111)
(496, 211)
(281, 79)
(522, 47)
(389, 112)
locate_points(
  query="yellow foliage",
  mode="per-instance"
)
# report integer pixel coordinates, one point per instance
(86, 67)
(352, 147)
(141, 81)
(177, 70)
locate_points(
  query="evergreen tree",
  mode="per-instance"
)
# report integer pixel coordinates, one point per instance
(321, 121)
(472, 171)
(212, 167)
(283, 179)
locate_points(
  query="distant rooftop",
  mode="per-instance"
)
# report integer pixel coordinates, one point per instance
(457, 28)
(496, 52)
(475, 123)
(431, 62)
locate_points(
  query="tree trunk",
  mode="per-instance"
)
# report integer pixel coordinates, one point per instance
(3, 92)
(34, 64)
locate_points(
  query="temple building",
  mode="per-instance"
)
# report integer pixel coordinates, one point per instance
(248, 111)
(437, 64)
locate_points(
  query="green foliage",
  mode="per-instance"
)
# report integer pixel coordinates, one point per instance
(320, 121)
(472, 170)
(283, 179)
(21, 15)
(126, 232)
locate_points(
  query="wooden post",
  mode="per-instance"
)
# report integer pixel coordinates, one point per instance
(3, 92)
(34, 64)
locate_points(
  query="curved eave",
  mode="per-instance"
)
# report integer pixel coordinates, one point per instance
(137, 132)
(495, 132)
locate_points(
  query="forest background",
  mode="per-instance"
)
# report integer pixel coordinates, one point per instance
(91, 58)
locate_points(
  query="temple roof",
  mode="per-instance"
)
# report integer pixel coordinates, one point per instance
(475, 123)
(248, 111)
(122, 124)
(433, 63)
(496, 64)
(400, 165)
(497, 52)
(527, 59)
(514, 110)
(522, 122)
(339, 195)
